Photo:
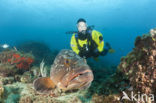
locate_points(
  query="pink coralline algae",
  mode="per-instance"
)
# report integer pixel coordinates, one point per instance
(12, 61)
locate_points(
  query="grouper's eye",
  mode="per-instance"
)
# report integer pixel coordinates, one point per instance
(67, 62)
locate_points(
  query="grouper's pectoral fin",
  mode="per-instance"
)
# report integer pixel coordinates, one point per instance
(43, 85)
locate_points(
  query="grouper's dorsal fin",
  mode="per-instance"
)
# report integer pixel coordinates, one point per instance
(43, 85)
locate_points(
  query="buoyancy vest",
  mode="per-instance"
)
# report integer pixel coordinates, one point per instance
(90, 45)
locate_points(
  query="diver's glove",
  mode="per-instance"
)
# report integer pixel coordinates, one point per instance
(111, 50)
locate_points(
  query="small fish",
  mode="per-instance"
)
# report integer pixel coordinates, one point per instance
(4, 46)
(68, 72)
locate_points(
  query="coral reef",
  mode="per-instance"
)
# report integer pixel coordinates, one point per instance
(12, 61)
(139, 66)
(136, 72)
(20, 61)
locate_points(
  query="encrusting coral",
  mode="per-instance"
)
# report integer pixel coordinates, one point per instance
(139, 66)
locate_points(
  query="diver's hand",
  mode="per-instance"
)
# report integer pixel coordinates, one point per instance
(111, 50)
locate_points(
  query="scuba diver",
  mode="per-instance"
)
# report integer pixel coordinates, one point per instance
(88, 42)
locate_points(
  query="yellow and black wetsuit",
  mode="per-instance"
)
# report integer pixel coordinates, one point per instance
(93, 45)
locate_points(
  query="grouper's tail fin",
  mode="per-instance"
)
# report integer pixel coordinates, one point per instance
(43, 85)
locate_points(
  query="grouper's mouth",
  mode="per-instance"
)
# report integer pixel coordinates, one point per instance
(80, 78)
(79, 74)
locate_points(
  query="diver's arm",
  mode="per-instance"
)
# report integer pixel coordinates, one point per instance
(73, 44)
(98, 38)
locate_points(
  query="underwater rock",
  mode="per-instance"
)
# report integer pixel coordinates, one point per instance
(106, 99)
(35, 70)
(24, 93)
(116, 83)
(40, 51)
(13, 92)
(153, 32)
(12, 61)
(68, 72)
(26, 77)
(7, 80)
(7, 70)
(44, 98)
(26, 99)
(139, 66)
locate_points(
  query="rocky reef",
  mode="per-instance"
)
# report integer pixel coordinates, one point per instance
(139, 65)
(12, 61)
(136, 73)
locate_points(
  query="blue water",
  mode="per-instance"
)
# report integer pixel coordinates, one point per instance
(120, 21)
